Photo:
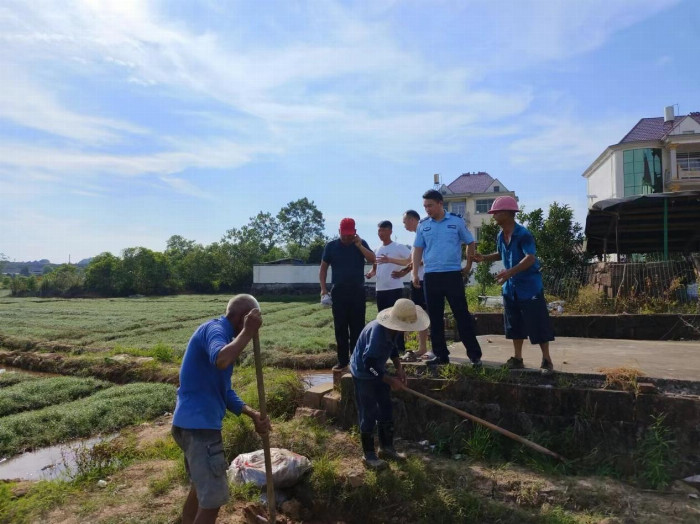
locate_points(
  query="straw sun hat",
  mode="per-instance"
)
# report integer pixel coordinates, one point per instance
(404, 316)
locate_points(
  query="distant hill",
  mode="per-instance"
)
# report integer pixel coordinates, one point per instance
(33, 267)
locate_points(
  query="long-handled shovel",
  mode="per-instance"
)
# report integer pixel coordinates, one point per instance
(271, 505)
(489, 425)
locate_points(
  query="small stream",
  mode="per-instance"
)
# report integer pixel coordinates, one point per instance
(58, 462)
(55, 462)
(314, 378)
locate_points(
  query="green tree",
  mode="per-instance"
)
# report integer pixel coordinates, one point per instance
(102, 274)
(559, 243)
(147, 272)
(487, 245)
(66, 280)
(3, 261)
(301, 222)
(200, 270)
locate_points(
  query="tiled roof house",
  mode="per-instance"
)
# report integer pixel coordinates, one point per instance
(471, 195)
(658, 155)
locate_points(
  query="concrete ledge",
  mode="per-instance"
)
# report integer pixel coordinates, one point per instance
(633, 327)
(313, 396)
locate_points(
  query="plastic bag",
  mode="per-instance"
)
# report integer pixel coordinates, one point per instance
(326, 300)
(287, 468)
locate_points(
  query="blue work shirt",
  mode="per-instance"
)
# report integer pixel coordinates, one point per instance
(374, 347)
(347, 262)
(442, 242)
(525, 284)
(205, 390)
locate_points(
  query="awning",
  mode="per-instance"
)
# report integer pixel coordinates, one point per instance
(654, 223)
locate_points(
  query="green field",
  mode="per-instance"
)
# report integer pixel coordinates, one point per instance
(295, 330)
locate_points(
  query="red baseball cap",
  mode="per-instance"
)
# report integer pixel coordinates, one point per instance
(347, 226)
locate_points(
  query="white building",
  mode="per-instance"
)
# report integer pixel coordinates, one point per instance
(471, 195)
(658, 155)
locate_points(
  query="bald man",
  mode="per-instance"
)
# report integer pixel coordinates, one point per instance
(204, 396)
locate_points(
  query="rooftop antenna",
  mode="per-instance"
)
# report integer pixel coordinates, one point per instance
(436, 181)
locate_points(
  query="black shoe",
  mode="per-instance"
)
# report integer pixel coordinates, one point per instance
(437, 361)
(546, 368)
(515, 363)
(340, 367)
(476, 364)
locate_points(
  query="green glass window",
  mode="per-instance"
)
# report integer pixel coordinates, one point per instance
(642, 171)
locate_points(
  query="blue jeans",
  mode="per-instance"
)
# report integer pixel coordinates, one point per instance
(448, 285)
(373, 400)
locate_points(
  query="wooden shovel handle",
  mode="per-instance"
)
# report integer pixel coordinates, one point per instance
(271, 505)
(488, 424)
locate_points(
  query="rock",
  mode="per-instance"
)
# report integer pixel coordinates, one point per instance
(101, 483)
(292, 508)
(317, 414)
(356, 479)
(693, 480)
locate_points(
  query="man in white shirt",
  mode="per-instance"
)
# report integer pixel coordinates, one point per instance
(410, 222)
(389, 288)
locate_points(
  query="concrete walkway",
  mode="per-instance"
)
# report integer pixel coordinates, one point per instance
(657, 359)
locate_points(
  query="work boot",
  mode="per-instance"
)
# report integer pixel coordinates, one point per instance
(370, 459)
(386, 443)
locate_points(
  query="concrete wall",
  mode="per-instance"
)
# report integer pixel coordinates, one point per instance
(303, 278)
(585, 422)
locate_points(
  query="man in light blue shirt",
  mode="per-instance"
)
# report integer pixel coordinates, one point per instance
(204, 396)
(438, 243)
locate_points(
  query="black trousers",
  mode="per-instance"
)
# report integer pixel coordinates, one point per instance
(448, 285)
(348, 318)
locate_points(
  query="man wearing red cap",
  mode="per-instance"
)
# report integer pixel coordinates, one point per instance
(346, 256)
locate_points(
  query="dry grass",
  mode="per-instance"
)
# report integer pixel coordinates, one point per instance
(624, 379)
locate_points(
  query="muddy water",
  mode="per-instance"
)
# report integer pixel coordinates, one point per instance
(55, 462)
(314, 378)
(10, 369)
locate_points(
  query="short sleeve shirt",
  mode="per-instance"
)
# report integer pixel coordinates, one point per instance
(442, 242)
(385, 281)
(205, 390)
(347, 262)
(525, 284)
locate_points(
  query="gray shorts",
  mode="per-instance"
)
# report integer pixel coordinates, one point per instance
(205, 463)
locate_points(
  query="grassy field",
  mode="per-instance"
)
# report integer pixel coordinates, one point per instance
(295, 331)
(292, 325)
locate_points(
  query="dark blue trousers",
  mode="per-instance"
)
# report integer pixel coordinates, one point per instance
(373, 400)
(448, 285)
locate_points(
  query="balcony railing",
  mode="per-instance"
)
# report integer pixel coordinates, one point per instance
(689, 172)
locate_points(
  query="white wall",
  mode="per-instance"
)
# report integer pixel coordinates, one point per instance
(607, 181)
(308, 274)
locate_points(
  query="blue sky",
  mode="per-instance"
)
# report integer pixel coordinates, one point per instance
(123, 123)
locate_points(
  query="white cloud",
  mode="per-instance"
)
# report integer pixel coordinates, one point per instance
(564, 143)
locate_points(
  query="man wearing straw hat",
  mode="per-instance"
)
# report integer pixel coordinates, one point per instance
(377, 343)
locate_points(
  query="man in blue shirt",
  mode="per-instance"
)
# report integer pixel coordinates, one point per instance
(346, 257)
(438, 243)
(377, 343)
(525, 311)
(204, 396)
